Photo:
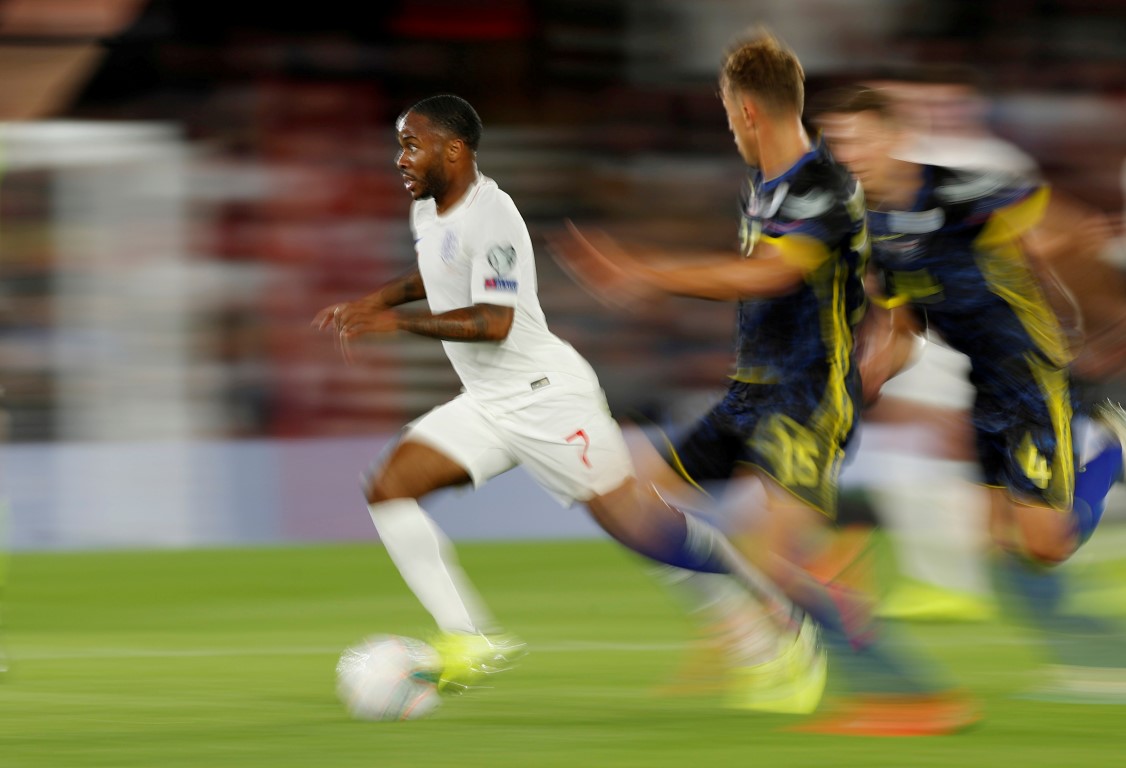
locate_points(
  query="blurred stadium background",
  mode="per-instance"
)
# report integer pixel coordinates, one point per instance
(186, 183)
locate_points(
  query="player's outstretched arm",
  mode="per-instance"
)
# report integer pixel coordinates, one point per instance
(401, 290)
(607, 273)
(1088, 292)
(731, 279)
(600, 263)
(480, 322)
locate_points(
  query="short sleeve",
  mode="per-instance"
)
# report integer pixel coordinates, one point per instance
(808, 227)
(1007, 205)
(496, 255)
(1014, 219)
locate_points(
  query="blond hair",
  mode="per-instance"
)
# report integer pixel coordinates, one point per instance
(765, 69)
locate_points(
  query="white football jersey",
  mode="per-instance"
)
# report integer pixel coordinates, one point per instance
(479, 252)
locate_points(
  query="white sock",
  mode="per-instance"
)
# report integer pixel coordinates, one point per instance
(728, 614)
(706, 541)
(937, 516)
(427, 562)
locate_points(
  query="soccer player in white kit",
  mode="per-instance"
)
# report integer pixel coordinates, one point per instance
(529, 398)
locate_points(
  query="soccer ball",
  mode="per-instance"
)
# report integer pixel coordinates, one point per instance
(387, 677)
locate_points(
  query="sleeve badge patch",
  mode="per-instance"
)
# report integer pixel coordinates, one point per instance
(502, 258)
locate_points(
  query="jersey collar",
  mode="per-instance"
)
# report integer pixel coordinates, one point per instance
(770, 184)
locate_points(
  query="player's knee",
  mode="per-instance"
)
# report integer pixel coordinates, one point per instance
(412, 473)
(1050, 553)
(1044, 534)
(374, 491)
(1049, 547)
(380, 486)
(377, 483)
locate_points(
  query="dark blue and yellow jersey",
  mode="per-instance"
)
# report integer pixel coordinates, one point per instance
(956, 255)
(814, 216)
(795, 397)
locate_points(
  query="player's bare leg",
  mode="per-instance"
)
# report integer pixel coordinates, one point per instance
(470, 643)
(778, 665)
(1039, 532)
(1087, 660)
(782, 543)
(737, 631)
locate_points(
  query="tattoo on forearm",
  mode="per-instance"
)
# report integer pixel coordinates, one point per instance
(406, 289)
(413, 289)
(477, 323)
(481, 325)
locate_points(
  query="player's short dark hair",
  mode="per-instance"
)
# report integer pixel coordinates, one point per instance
(453, 114)
(954, 73)
(853, 99)
(767, 70)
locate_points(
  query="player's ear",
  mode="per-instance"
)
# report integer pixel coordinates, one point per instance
(749, 110)
(454, 149)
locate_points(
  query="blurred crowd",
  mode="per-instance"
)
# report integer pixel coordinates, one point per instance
(168, 292)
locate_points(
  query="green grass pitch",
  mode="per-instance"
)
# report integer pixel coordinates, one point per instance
(223, 658)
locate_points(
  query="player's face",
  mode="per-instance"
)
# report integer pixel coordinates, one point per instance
(864, 142)
(421, 159)
(739, 127)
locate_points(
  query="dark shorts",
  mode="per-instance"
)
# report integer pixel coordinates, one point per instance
(1022, 420)
(795, 433)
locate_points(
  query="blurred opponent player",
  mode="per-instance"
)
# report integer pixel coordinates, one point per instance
(947, 244)
(950, 245)
(918, 421)
(530, 400)
(778, 436)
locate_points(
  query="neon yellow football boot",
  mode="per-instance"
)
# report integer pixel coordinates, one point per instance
(790, 683)
(468, 658)
(911, 600)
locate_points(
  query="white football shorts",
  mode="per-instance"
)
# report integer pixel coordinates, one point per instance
(569, 442)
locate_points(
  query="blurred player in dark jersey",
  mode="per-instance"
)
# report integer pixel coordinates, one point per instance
(949, 247)
(940, 121)
(778, 435)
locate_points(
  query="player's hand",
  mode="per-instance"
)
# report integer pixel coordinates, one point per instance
(327, 316)
(357, 320)
(357, 323)
(342, 313)
(349, 319)
(330, 316)
(598, 263)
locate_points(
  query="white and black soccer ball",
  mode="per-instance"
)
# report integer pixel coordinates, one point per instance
(388, 677)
